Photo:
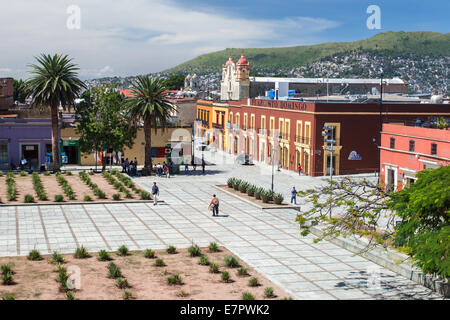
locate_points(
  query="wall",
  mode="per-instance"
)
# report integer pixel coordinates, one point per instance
(6, 93)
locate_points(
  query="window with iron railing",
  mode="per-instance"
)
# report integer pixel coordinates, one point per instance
(302, 139)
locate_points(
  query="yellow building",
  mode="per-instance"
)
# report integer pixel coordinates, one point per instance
(213, 118)
(160, 141)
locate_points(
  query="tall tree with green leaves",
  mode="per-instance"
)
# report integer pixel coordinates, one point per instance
(54, 83)
(102, 121)
(149, 106)
(20, 91)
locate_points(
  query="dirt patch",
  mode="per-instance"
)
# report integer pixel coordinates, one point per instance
(35, 280)
(25, 186)
(252, 199)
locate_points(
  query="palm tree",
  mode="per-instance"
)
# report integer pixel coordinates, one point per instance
(54, 83)
(149, 104)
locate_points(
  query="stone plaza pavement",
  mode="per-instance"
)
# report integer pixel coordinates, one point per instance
(268, 240)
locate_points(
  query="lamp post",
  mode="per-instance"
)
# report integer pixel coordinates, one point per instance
(273, 163)
(328, 134)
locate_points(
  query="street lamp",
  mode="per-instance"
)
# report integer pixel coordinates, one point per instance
(273, 153)
(328, 134)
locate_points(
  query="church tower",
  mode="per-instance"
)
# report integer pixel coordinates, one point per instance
(235, 83)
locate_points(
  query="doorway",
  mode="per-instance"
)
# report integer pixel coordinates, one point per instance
(30, 152)
(71, 154)
(333, 163)
(390, 180)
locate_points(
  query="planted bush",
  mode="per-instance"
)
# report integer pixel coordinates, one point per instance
(231, 262)
(145, 195)
(243, 186)
(7, 267)
(47, 173)
(103, 255)
(174, 280)
(258, 193)
(122, 251)
(171, 250)
(269, 293)
(278, 198)
(122, 283)
(34, 255)
(236, 184)
(87, 198)
(68, 173)
(38, 187)
(97, 191)
(251, 190)
(149, 254)
(65, 186)
(194, 251)
(23, 174)
(7, 278)
(8, 297)
(225, 276)
(114, 271)
(213, 247)
(70, 295)
(57, 258)
(248, 296)
(81, 253)
(59, 198)
(265, 196)
(11, 190)
(159, 262)
(242, 272)
(203, 260)
(253, 282)
(28, 198)
(230, 182)
(214, 268)
(127, 295)
(116, 196)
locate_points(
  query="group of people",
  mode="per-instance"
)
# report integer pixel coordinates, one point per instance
(163, 169)
(194, 166)
(130, 167)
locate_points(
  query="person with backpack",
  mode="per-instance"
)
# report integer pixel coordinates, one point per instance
(215, 206)
(155, 193)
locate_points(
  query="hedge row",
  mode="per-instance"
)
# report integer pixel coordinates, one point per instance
(254, 191)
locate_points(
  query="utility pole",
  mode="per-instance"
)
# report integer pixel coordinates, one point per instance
(328, 134)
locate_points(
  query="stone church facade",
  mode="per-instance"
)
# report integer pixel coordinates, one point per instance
(235, 83)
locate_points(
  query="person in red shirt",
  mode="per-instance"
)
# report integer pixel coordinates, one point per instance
(215, 205)
(299, 169)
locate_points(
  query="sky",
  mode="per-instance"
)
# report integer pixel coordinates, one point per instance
(126, 38)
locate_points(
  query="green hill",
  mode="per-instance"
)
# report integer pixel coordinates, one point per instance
(389, 43)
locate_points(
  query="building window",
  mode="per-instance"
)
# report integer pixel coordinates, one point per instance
(411, 145)
(433, 149)
(4, 156)
(392, 143)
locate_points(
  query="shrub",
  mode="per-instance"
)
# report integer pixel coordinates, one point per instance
(174, 280)
(81, 253)
(34, 255)
(214, 268)
(122, 251)
(225, 276)
(8, 297)
(243, 186)
(145, 195)
(278, 198)
(243, 272)
(114, 271)
(62, 276)
(100, 194)
(28, 198)
(103, 255)
(213, 247)
(70, 295)
(59, 198)
(251, 190)
(194, 251)
(57, 257)
(122, 283)
(159, 262)
(248, 296)
(1, 173)
(116, 196)
(38, 187)
(23, 173)
(253, 282)
(236, 184)
(265, 196)
(47, 173)
(91, 173)
(231, 262)
(149, 254)
(128, 194)
(203, 260)
(68, 173)
(258, 193)
(7, 267)
(269, 293)
(270, 194)
(182, 294)
(171, 250)
(230, 182)
(7, 278)
(87, 198)
(127, 295)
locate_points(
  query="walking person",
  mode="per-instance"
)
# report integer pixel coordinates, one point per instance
(203, 166)
(167, 172)
(155, 193)
(214, 205)
(299, 169)
(294, 195)
(127, 164)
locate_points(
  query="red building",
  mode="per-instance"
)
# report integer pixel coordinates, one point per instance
(293, 129)
(406, 150)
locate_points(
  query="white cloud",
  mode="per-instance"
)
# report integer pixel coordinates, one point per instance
(137, 36)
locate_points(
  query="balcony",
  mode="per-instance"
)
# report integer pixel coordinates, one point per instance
(285, 136)
(218, 126)
(304, 140)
